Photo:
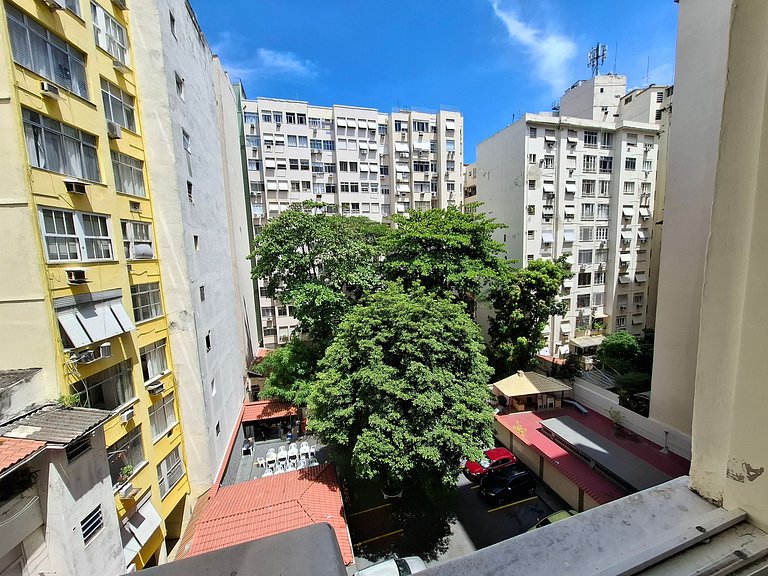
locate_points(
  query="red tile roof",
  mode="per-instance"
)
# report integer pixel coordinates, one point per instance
(267, 409)
(266, 506)
(14, 450)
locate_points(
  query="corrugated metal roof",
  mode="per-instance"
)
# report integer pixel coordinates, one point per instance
(11, 377)
(54, 423)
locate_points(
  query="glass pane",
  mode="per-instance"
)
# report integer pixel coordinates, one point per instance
(72, 163)
(91, 164)
(20, 43)
(54, 151)
(40, 56)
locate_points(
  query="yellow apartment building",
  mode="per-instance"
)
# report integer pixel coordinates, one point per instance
(80, 290)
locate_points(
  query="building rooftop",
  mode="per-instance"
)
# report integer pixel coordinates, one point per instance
(12, 377)
(266, 410)
(529, 383)
(15, 450)
(54, 423)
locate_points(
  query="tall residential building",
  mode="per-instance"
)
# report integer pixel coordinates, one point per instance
(358, 161)
(89, 313)
(580, 182)
(193, 139)
(470, 183)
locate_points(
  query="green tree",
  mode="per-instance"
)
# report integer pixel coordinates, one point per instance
(402, 393)
(290, 371)
(444, 250)
(523, 300)
(619, 352)
(321, 264)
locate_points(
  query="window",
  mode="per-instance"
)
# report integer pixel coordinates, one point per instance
(250, 118)
(590, 163)
(187, 145)
(303, 142)
(107, 389)
(599, 278)
(65, 233)
(293, 163)
(420, 166)
(450, 165)
(549, 161)
(202, 293)
(129, 174)
(253, 141)
(57, 147)
(531, 210)
(605, 188)
(450, 145)
(137, 240)
(597, 299)
(630, 163)
(631, 140)
(329, 168)
(532, 132)
(606, 140)
(110, 35)
(208, 342)
(585, 256)
(531, 158)
(588, 188)
(353, 166)
(36, 49)
(658, 114)
(531, 184)
(301, 119)
(316, 144)
(328, 145)
(118, 106)
(267, 312)
(162, 416)
(590, 139)
(603, 211)
(179, 86)
(587, 211)
(420, 126)
(637, 299)
(277, 117)
(629, 187)
(621, 321)
(153, 360)
(146, 301)
(647, 165)
(606, 164)
(601, 255)
(189, 190)
(645, 188)
(170, 471)
(172, 22)
(77, 448)
(601, 233)
(354, 187)
(401, 126)
(583, 300)
(254, 164)
(91, 525)
(585, 234)
(330, 188)
(584, 278)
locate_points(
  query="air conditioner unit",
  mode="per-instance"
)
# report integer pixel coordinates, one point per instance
(114, 131)
(134, 206)
(383, 176)
(76, 276)
(75, 186)
(622, 307)
(55, 4)
(127, 415)
(278, 125)
(120, 66)
(86, 357)
(155, 388)
(403, 135)
(105, 350)
(647, 147)
(638, 305)
(268, 146)
(126, 491)
(49, 90)
(120, 4)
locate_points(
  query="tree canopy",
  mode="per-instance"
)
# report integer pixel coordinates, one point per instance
(523, 300)
(402, 389)
(290, 371)
(619, 352)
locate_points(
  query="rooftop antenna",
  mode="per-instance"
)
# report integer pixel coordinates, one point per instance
(596, 58)
(615, 58)
(648, 72)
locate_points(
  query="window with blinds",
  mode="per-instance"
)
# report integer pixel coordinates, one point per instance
(45, 54)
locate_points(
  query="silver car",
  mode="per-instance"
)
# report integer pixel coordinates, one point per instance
(394, 567)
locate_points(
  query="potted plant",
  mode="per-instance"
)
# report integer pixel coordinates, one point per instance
(125, 473)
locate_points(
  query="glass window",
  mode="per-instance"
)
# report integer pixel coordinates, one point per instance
(57, 147)
(129, 174)
(36, 49)
(250, 118)
(109, 34)
(450, 145)
(106, 390)
(137, 240)
(162, 416)
(65, 233)
(118, 106)
(590, 163)
(128, 451)
(170, 471)
(146, 301)
(153, 360)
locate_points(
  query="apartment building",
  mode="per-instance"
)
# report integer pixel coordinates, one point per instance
(81, 294)
(580, 182)
(193, 137)
(357, 161)
(470, 183)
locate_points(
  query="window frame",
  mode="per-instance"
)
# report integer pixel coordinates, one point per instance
(77, 235)
(130, 239)
(166, 468)
(113, 97)
(130, 168)
(152, 291)
(151, 354)
(166, 407)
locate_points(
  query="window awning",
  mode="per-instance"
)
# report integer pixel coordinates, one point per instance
(640, 277)
(637, 320)
(371, 124)
(569, 187)
(641, 234)
(362, 124)
(570, 211)
(568, 283)
(573, 140)
(271, 185)
(549, 187)
(363, 167)
(403, 188)
(623, 279)
(564, 349)
(402, 168)
(90, 322)
(599, 315)
(372, 146)
(565, 327)
(421, 146)
(374, 167)
(625, 258)
(547, 236)
(270, 163)
(645, 212)
(569, 235)
(549, 139)
(282, 185)
(626, 235)
(450, 124)
(341, 122)
(627, 212)
(141, 526)
(401, 147)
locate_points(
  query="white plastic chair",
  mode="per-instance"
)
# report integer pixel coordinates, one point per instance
(304, 450)
(280, 469)
(267, 472)
(313, 451)
(291, 467)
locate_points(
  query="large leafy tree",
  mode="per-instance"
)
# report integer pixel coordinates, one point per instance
(321, 264)
(444, 250)
(523, 300)
(290, 371)
(619, 352)
(402, 391)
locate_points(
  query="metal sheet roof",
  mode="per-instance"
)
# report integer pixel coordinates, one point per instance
(55, 424)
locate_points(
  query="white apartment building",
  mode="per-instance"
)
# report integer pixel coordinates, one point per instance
(192, 134)
(581, 182)
(358, 161)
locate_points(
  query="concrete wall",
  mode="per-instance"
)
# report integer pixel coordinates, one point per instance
(703, 36)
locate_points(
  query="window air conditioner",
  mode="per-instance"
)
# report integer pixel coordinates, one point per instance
(76, 276)
(127, 415)
(120, 4)
(155, 388)
(120, 67)
(55, 4)
(49, 90)
(126, 492)
(86, 357)
(105, 350)
(114, 131)
(75, 187)
(134, 206)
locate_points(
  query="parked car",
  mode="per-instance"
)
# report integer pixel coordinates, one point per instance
(394, 567)
(555, 517)
(508, 484)
(495, 459)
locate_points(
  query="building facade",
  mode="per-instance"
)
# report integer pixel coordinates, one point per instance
(357, 161)
(82, 294)
(580, 183)
(193, 137)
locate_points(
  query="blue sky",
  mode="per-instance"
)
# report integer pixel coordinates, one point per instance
(493, 59)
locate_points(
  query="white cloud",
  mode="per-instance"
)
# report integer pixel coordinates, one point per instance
(266, 62)
(549, 52)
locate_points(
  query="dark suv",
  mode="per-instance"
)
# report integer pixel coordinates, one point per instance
(507, 484)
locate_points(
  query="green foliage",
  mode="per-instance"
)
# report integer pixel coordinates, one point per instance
(618, 352)
(569, 369)
(402, 391)
(523, 300)
(290, 371)
(69, 400)
(446, 251)
(319, 263)
(634, 382)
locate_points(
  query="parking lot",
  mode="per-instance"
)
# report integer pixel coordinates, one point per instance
(412, 526)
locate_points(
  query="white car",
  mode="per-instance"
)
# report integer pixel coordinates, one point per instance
(394, 567)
